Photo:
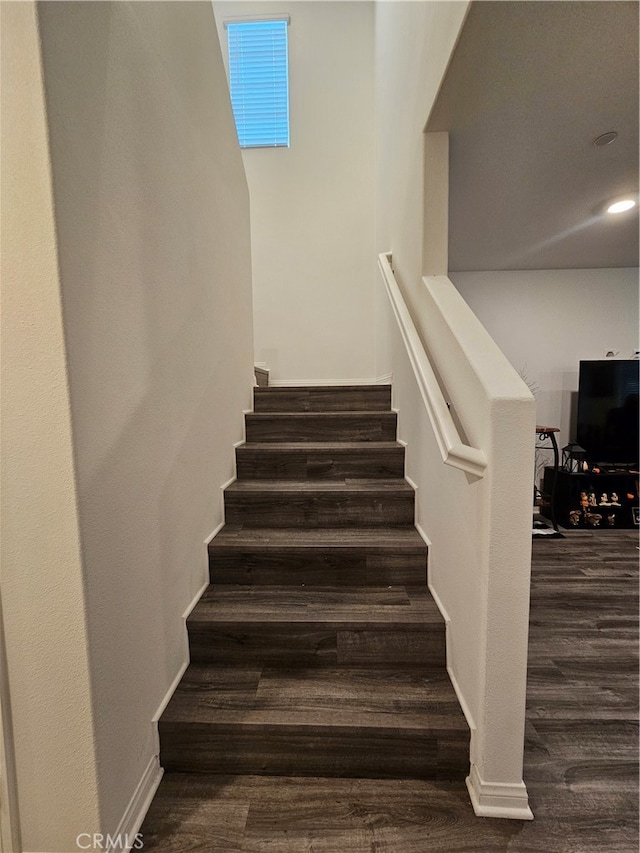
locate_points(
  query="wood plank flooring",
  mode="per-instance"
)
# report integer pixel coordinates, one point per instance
(581, 764)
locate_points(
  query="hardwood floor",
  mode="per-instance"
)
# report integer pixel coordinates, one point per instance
(581, 761)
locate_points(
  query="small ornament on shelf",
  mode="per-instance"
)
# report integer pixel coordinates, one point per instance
(604, 499)
(615, 500)
(574, 459)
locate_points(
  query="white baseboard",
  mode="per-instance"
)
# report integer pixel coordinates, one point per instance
(124, 838)
(167, 697)
(144, 793)
(217, 529)
(421, 531)
(416, 487)
(181, 671)
(498, 799)
(226, 484)
(196, 598)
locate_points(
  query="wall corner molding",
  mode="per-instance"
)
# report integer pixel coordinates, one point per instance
(498, 799)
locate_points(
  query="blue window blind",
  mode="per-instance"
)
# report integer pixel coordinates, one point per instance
(259, 81)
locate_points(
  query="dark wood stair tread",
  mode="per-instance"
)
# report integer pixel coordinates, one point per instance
(357, 607)
(348, 486)
(374, 540)
(342, 414)
(320, 446)
(345, 698)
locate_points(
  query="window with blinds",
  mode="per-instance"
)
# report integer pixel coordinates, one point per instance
(259, 81)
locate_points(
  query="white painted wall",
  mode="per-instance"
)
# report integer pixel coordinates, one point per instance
(480, 530)
(45, 636)
(547, 321)
(414, 41)
(312, 205)
(153, 231)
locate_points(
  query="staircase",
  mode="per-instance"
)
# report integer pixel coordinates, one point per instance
(317, 649)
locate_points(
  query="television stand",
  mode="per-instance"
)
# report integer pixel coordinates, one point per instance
(600, 501)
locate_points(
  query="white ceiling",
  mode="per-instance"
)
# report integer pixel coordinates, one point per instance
(528, 89)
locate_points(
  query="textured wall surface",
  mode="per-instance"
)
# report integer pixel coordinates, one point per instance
(42, 584)
(153, 230)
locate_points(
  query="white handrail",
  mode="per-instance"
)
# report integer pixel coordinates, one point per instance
(452, 449)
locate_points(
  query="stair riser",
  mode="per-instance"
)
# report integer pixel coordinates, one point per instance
(308, 644)
(315, 567)
(259, 750)
(337, 427)
(364, 398)
(299, 465)
(275, 509)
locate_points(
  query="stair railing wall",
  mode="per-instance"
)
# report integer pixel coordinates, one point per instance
(468, 420)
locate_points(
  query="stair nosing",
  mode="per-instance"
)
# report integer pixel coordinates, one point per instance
(221, 604)
(313, 446)
(386, 485)
(314, 389)
(331, 538)
(354, 413)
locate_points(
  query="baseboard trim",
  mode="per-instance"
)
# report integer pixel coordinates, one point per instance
(226, 484)
(421, 530)
(196, 598)
(167, 696)
(183, 666)
(137, 809)
(498, 799)
(416, 487)
(219, 527)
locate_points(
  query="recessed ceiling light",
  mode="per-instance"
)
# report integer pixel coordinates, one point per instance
(605, 138)
(621, 206)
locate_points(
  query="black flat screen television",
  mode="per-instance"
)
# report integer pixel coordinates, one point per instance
(608, 411)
